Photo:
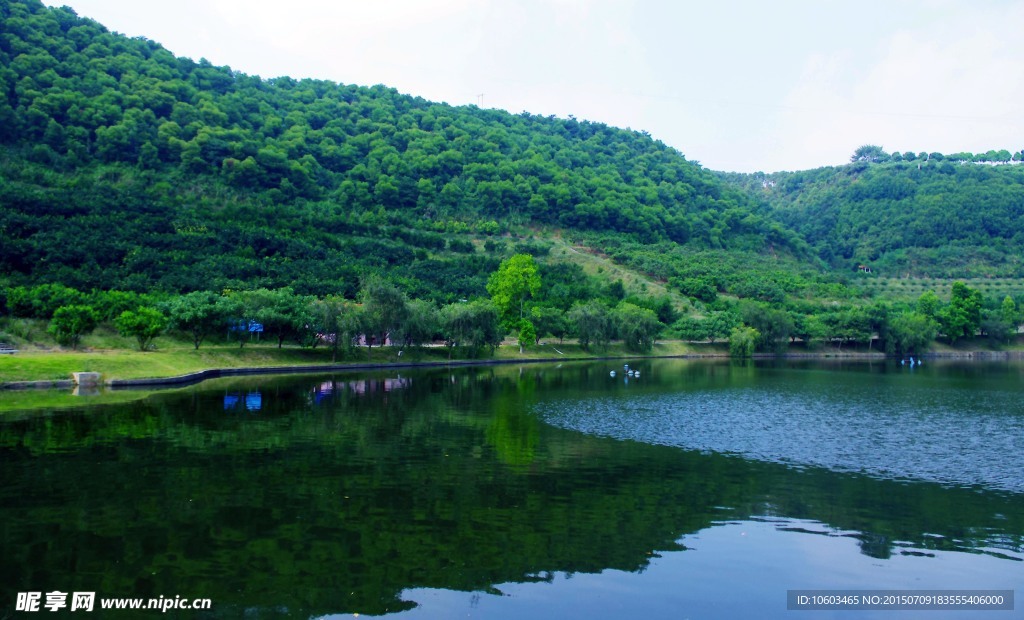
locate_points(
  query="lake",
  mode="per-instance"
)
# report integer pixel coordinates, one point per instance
(698, 489)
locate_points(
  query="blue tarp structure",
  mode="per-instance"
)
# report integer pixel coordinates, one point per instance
(242, 325)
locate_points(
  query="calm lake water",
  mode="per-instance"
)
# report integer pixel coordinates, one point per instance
(696, 490)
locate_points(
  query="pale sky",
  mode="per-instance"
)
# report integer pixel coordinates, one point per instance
(735, 85)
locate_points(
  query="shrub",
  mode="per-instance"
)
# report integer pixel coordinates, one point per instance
(70, 323)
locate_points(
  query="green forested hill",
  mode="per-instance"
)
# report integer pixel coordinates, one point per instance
(124, 167)
(930, 215)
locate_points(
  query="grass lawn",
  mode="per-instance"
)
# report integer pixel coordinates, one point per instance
(166, 362)
(178, 358)
(173, 358)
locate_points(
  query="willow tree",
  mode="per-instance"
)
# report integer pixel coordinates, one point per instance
(385, 308)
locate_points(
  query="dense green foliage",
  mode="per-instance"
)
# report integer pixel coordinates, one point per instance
(229, 200)
(955, 216)
(637, 327)
(70, 323)
(515, 281)
(144, 324)
(128, 168)
(742, 341)
(472, 325)
(593, 324)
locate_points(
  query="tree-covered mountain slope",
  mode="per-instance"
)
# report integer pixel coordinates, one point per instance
(125, 167)
(954, 216)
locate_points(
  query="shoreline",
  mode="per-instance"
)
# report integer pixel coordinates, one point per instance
(200, 376)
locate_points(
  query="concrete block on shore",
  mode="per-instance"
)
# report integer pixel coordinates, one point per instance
(86, 379)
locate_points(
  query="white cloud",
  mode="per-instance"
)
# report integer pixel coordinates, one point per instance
(951, 85)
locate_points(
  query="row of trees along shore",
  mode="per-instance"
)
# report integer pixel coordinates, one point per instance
(383, 314)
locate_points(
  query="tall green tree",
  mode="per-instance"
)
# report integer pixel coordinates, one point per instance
(280, 312)
(471, 325)
(638, 327)
(335, 322)
(420, 324)
(929, 304)
(515, 281)
(721, 324)
(1010, 315)
(591, 323)
(199, 314)
(144, 324)
(912, 333)
(286, 315)
(851, 325)
(548, 320)
(239, 308)
(772, 324)
(962, 316)
(1000, 324)
(878, 316)
(385, 308)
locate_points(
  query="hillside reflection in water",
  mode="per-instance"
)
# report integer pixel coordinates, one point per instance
(572, 493)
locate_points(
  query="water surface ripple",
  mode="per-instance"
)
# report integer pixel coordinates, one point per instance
(887, 429)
